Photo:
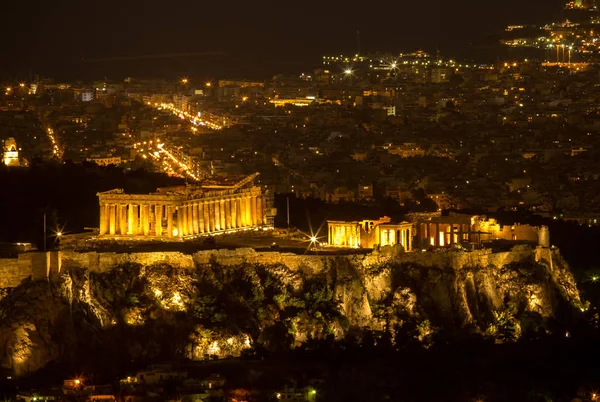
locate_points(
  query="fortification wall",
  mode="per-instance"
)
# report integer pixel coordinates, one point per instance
(34, 265)
(101, 262)
(39, 266)
(10, 274)
(455, 259)
(251, 256)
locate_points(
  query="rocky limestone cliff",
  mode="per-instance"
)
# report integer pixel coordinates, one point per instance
(223, 302)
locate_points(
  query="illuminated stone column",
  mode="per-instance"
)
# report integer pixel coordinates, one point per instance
(169, 210)
(234, 223)
(184, 220)
(158, 212)
(239, 213)
(117, 218)
(187, 229)
(227, 214)
(142, 219)
(190, 222)
(180, 221)
(195, 218)
(410, 236)
(112, 219)
(437, 234)
(211, 216)
(130, 220)
(201, 217)
(259, 211)
(223, 214)
(253, 210)
(217, 215)
(146, 219)
(103, 226)
(136, 219)
(206, 215)
(248, 211)
(123, 219)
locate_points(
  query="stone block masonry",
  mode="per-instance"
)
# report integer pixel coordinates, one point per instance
(34, 265)
(40, 266)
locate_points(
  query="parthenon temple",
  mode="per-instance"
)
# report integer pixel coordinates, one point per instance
(206, 208)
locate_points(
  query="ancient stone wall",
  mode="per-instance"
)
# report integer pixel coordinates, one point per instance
(251, 256)
(100, 262)
(39, 266)
(10, 274)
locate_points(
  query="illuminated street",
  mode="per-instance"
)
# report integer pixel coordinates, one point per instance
(170, 161)
(194, 120)
(57, 151)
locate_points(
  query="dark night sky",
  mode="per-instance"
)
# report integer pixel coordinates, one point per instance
(51, 36)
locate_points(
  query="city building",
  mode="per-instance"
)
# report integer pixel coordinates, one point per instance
(111, 160)
(370, 233)
(206, 208)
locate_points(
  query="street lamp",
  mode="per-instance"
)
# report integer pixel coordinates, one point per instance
(184, 81)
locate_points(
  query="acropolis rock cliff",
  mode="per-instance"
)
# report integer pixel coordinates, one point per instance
(219, 302)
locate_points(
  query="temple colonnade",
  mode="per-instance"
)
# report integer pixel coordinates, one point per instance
(121, 215)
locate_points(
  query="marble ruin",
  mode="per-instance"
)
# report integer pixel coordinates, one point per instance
(11, 153)
(189, 211)
(368, 233)
(431, 229)
(475, 229)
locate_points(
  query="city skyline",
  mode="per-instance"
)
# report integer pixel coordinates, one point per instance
(69, 39)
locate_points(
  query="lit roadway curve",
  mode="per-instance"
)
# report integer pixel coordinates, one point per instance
(57, 151)
(195, 120)
(172, 161)
(169, 160)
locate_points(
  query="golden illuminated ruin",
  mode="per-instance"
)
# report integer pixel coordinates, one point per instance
(187, 211)
(461, 228)
(369, 233)
(11, 153)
